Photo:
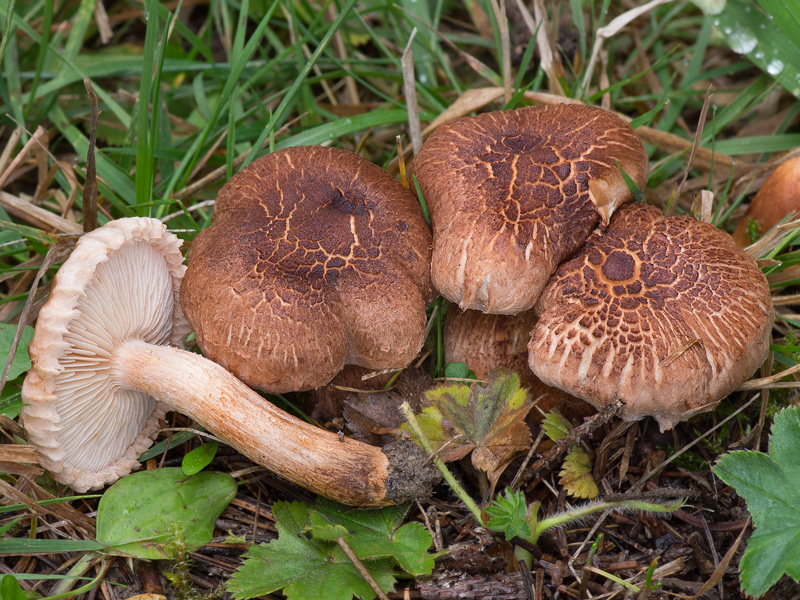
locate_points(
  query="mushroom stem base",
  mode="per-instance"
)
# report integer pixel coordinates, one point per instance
(341, 469)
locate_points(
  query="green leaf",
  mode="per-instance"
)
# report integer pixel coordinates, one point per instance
(488, 421)
(576, 474)
(199, 458)
(306, 569)
(10, 589)
(21, 362)
(456, 370)
(555, 426)
(509, 515)
(771, 486)
(377, 533)
(145, 513)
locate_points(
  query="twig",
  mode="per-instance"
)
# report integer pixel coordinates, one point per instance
(362, 570)
(574, 437)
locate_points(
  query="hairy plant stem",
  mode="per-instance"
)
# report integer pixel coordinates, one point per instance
(411, 419)
(580, 512)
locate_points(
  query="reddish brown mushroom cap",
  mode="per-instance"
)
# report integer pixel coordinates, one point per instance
(487, 342)
(666, 314)
(315, 258)
(777, 198)
(511, 194)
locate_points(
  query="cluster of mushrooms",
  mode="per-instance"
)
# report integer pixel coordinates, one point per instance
(316, 258)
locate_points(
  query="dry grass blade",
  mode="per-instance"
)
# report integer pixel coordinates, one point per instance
(410, 91)
(774, 238)
(61, 511)
(676, 354)
(785, 300)
(32, 143)
(766, 382)
(55, 254)
(612, 29)
(673, 205)
(37, 216)
(18, 453)
(722, 567)
(548, 51)
(499, 9)
(90, 186)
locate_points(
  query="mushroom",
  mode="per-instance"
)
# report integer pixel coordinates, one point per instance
(315, 258)
(667, 315)
(104, 373)
(487, 342)
(777, 198)
(513, 193)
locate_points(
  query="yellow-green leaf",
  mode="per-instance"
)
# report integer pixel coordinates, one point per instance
(576, 475)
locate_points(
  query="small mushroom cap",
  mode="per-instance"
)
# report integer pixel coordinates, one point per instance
(487, 342)
(315, 258)
(777, 198)
(512, 193)
(666, 314)
(120, 283)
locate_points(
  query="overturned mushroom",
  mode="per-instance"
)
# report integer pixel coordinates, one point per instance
(315, 258)
(487, 342)
(511, 194)
(103, 374)
(666, 314)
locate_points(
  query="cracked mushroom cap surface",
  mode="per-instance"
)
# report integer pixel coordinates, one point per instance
(315, 258)
(120, 283)
(666, 314)
(511, 194)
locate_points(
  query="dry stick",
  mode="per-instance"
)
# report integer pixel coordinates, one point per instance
(362, 570)
(90, 186)
(572, 438)
(672, 206)
(55, 254)
(410, 92)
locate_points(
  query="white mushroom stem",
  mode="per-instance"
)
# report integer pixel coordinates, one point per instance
(342, 469)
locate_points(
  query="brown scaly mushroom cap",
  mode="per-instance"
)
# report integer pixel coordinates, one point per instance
(315, 258)
(486, 342)
(666, 314)
(511, 194)
(103, 373)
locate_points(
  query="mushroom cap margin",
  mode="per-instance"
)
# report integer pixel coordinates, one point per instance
(40, 410)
